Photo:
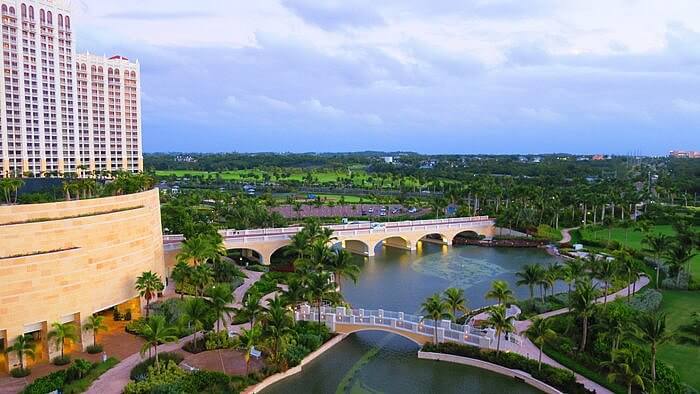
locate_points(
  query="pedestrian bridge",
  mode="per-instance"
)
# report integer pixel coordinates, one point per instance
(360, 238)
(415, 328)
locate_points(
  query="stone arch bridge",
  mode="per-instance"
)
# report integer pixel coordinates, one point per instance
(362, 238)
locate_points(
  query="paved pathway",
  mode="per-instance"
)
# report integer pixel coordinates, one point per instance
(529, 350)
(114, 380)
(566, 235)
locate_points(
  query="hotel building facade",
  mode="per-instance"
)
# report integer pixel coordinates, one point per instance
(62, 112)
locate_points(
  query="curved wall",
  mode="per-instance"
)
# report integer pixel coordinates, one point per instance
(74, 258)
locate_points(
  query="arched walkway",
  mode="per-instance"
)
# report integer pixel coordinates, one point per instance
(283, 255)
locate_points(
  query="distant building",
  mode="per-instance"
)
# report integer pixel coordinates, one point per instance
(598, 157)
(388, 159)
(185, 159)
(681, 154)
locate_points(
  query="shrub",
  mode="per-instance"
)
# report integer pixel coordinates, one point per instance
(78, 370)
(560, 378)
(190, 347)
(648, 300)
(94, 349)
(51, 382)
(257, 268)
(218, 340)
(168, 378)
(20, 372)
(127, 315)
(140, 371)
(135, 326)
(61, 360)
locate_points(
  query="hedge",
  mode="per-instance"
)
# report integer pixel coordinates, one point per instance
(556, 377)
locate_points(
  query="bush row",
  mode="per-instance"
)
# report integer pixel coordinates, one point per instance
(559, 378)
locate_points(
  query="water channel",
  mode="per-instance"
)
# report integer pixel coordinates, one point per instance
(398, 280)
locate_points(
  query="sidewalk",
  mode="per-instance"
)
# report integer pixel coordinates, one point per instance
(529, 350)
(114, 380)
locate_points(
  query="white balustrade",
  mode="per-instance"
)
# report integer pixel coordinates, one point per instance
(399, 321)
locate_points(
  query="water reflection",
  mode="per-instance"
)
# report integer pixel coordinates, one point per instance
(377, 362)
(397, 279)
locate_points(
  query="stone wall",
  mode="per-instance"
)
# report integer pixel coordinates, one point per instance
(67, 260)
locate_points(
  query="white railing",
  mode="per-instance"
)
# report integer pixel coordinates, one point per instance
(399, 321)
(345, 230)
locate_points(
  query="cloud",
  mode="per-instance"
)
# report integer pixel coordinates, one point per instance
(156, 16)
(335, 14)
(687, 106)
(485, 75)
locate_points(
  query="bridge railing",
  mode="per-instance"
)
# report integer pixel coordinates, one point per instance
(444, 329)
(282, 233)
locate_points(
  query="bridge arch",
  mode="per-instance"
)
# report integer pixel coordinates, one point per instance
(356, 246)
(438, 238)
(395, 241)
(468, 234)
(418, 339)
(241, 255)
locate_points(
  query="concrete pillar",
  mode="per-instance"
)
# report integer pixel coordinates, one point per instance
(372, 320)
(329, 319)
(440, 334)
(445, 323)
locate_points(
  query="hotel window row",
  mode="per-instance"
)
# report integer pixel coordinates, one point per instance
(61, 112)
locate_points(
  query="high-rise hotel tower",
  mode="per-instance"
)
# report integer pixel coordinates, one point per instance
(62, 112)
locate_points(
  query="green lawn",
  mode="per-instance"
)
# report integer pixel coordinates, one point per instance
(678, 305)
(633, 239)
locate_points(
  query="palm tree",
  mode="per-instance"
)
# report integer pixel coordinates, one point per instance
(248, 339)
(628, 265)
(625, 365)
(297, 207)
(202, 276)
(605, 271)
(63, 333)
(530, 276)
(220, 297)
(299, 245)
(156, 331)
(501, 292)
(436, 309)
(540, 331)
(24, 346)
(501, 322)
(652, 329)
(95, 323)
(277, 322)
(582, 302)
(251, 308)
(456, 301)
(321, 287)
(181, 274)
(342, 267)
(657, 244)
(678, 255)
(195, 313)
(148, 285)
(197, 250)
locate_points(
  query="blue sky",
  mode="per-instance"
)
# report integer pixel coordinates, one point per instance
(463, 76)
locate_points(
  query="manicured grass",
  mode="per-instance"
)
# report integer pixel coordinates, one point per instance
(678, 306)
(348, 199)
(633, 238)
(321, 176)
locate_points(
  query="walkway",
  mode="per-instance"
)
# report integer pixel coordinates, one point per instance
(566, 235)
(529, 350)
(114, 380)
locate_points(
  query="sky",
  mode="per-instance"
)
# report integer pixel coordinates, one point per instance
(462, 76)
